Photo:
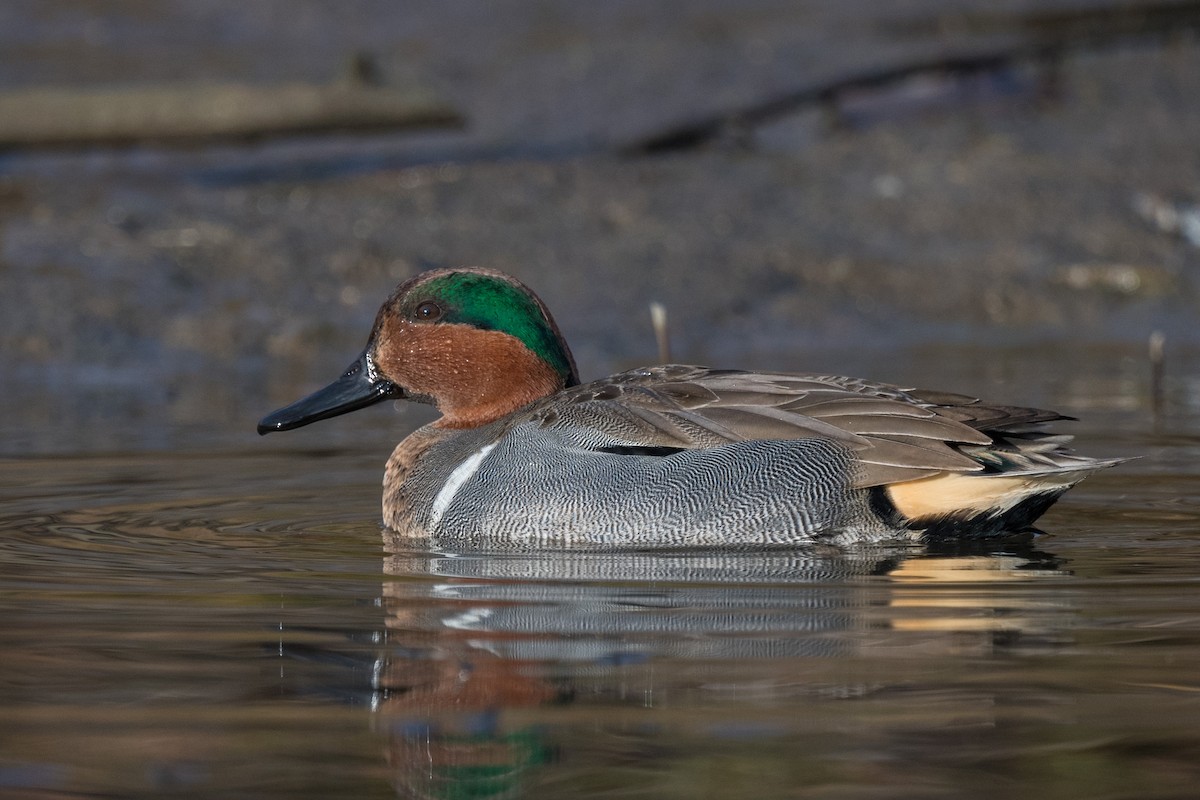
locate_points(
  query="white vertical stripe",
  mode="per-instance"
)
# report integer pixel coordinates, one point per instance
(461, 474)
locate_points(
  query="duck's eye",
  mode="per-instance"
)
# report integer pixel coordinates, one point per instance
(428, 312)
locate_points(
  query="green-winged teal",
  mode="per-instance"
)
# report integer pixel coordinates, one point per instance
(525, 456)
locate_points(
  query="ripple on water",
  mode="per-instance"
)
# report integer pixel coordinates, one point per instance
(234, 621)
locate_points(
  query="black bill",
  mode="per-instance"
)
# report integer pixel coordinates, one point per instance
(358, 388)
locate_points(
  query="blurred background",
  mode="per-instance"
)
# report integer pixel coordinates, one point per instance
(202, 203)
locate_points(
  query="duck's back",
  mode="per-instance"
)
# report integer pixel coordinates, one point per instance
(688, 456)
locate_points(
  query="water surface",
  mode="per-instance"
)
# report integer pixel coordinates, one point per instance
(234, 622)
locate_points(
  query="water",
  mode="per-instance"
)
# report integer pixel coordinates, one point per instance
(232, 622)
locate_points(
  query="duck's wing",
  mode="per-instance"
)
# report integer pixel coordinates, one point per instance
(895, 434)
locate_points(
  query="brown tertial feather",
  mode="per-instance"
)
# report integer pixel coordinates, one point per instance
(895, 434)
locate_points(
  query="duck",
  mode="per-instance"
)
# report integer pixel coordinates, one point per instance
(525, 456)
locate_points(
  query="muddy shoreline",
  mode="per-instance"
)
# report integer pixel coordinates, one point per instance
(1017, 207)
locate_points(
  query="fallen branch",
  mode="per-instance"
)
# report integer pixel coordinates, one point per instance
(1043, 38)
(31, 118)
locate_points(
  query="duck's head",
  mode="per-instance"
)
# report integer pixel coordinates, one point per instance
(476, 343)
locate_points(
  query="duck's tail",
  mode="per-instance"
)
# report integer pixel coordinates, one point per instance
(1022, 474)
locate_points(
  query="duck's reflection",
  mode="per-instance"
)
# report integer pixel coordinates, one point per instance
(489, 656)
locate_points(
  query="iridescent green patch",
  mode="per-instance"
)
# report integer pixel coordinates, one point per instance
(491, 304)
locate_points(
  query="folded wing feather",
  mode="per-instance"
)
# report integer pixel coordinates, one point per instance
(895, 434)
